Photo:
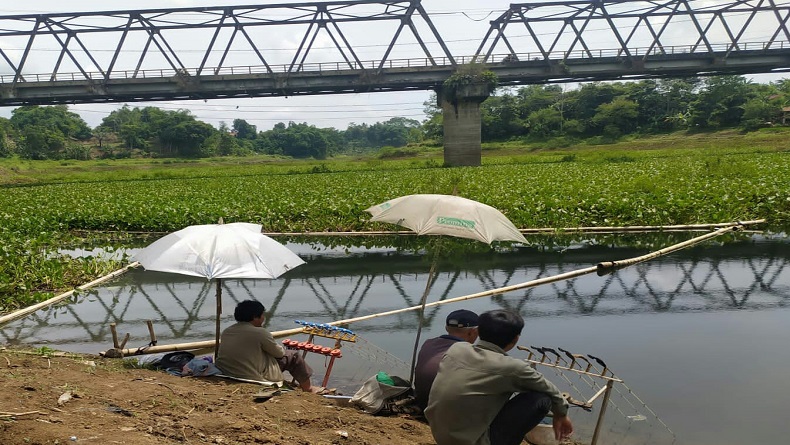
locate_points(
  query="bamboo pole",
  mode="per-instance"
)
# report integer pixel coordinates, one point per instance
(151, 332)
(604, 404)
(289, 332)
(608, 267)
(501, 290)
(219, 314)
(30, 309)
(423, 299)
(583, 229)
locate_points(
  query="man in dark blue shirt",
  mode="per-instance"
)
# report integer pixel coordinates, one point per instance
(461, 325)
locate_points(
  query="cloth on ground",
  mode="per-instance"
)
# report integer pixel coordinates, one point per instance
(174, 362)
(150, 359)
(199, 367)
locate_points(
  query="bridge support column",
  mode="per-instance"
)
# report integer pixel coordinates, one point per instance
(462, 125)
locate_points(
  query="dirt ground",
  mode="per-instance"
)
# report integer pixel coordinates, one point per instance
(113, 404)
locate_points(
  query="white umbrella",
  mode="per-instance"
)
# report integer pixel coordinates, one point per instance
(217, 251)
(445, 215)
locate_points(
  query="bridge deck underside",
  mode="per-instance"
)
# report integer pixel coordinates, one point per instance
(245, 82)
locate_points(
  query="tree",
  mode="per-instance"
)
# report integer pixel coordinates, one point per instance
(532, 98)
(650, 105)
(6, 133)
(617, 117)
(545, 122)
(100, 133)
(133, 135)
(117, 118)
(185, 134)
(433, 125)
(244, 130)
(720, 102)
(391, 133)
(295, 140)
(55, 118)
(582, 103)
(5, 147)
(39, 142)
(677, 95)
(757, 113)
(501, 119)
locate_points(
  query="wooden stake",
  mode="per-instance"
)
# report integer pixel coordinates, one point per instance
(604, 403)
(125, 339)
(114, 332)
(151, 332)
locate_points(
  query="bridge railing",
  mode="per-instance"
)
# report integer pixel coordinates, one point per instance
(418, 63)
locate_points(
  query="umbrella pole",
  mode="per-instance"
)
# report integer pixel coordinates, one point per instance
(431, 276)
(219, 313)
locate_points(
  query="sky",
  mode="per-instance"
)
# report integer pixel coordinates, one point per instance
(462, 24)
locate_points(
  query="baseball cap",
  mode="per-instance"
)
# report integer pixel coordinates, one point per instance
(462, 318)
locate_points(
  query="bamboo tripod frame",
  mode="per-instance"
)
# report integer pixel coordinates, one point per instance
(606, 391)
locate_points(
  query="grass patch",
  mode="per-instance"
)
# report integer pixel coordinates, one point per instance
(659, 181)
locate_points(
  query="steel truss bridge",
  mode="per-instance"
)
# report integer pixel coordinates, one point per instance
(369, 46)
(748, 277)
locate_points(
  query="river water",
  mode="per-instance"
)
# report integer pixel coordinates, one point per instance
(699, 337)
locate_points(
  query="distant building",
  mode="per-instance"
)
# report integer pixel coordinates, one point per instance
(785, 115)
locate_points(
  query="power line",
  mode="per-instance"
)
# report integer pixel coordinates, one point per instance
(273, 107)
(249, 111)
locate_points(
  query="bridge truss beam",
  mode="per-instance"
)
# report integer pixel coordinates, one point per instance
(321, 47)
(579, 29)
(206, 39)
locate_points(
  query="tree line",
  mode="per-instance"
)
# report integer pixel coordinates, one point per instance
(608, 111)
(597, 112)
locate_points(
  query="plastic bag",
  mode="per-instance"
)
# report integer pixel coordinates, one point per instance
(376, 397)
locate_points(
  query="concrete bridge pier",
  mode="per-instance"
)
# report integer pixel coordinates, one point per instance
(461, 116)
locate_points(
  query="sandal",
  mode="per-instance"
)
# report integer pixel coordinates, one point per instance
(266, 394)
(320, 390)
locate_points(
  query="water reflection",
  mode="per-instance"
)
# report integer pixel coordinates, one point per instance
(685, 331)
(337, 285)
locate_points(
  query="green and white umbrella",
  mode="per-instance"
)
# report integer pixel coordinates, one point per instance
(447, 215)
(431, 214)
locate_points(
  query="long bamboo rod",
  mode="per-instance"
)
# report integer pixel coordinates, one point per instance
(30, 309)
(289, 332)
(543, 230)
(610, 266)
(583, 229)
(501, 290)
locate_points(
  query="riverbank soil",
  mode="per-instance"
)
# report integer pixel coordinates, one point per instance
(63, 399)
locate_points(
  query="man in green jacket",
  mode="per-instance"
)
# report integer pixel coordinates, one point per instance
(247, 350)
(482, 396)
